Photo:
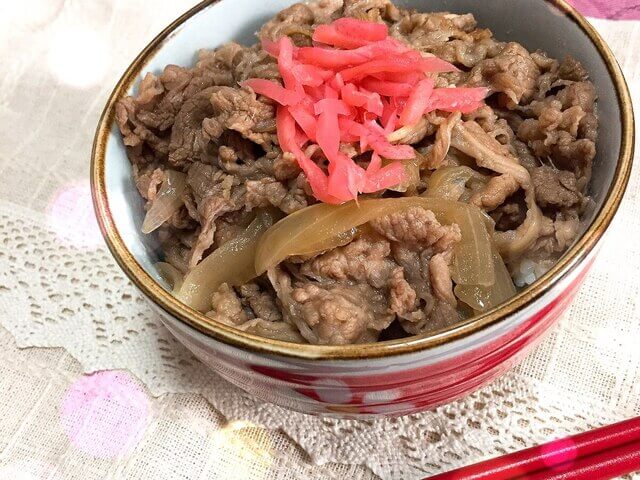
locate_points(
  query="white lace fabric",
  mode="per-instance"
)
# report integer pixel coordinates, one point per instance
(67, 310)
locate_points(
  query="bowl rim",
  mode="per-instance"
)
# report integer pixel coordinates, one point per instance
(231, 336)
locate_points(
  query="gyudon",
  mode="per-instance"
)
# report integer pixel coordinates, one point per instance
(363, 172)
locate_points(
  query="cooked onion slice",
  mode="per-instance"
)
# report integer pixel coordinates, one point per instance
(329, 243)
(450, 182)
(321, 225)
(167, 202)
(484, 298)
(274, 330)
(232, 263)
(472, 140)
(472, 261)
(170, 274)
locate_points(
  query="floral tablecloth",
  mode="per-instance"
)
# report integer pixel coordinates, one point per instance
(93, 387)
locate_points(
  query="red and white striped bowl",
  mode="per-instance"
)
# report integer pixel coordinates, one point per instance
(389, 378)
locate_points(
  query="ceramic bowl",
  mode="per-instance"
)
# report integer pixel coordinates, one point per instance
(387, 378)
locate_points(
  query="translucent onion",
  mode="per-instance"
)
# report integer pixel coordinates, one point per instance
(303, 231)
(450, 182)
(274, 330)
(339, 240)
(473, 141)
(170, 274)
(167, 201)
(485, 298)
(472, 261)
(232, 263)
(410, 134)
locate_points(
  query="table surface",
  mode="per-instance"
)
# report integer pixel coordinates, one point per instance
(151, 411)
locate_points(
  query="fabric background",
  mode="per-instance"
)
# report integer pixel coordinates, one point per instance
(93, 387)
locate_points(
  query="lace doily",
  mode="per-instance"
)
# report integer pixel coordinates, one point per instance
(80, 300)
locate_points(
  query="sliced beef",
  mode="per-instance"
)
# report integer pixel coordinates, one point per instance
(588, 128)
(238, 110)
(415, 265)
(254, 62)
(555, 188)
(491, 123)
(496, 191)
(416, 225)
(336, 296)
(136, 134)
(366, 259)
(512, 72)
(431, 32)
(264, 192)
(524, 154)
(239, 312)
(288, 197)
(181, 220)
(147, 120)
(572, 69)
(567, 153)
(432, 311)
(403, 298)
(219, 63)
(576, 155)
(548, 78)
(559, 235)
(150, 93)
(371, 10)
(261, 303)
(188, 143)
(563, 129)
(579, 94)
(298, 196)
(227, 307)
(331, 312)
(428, 273)
(285, 167)
(214, 193)
(165, 119)
(148, 179)
(418, 228)
(510, 214)
(244, 159)
(467, 52)
(324, 11)
(440, 276)
(294, 21)
(342, 314)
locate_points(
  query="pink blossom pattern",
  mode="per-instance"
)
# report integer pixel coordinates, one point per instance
(70, 215)
(104, 414)
(611, 9)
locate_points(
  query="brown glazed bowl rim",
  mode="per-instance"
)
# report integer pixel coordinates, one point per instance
(254, 343)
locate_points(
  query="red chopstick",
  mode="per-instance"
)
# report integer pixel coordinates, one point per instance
(611, 447)
(601, 466)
